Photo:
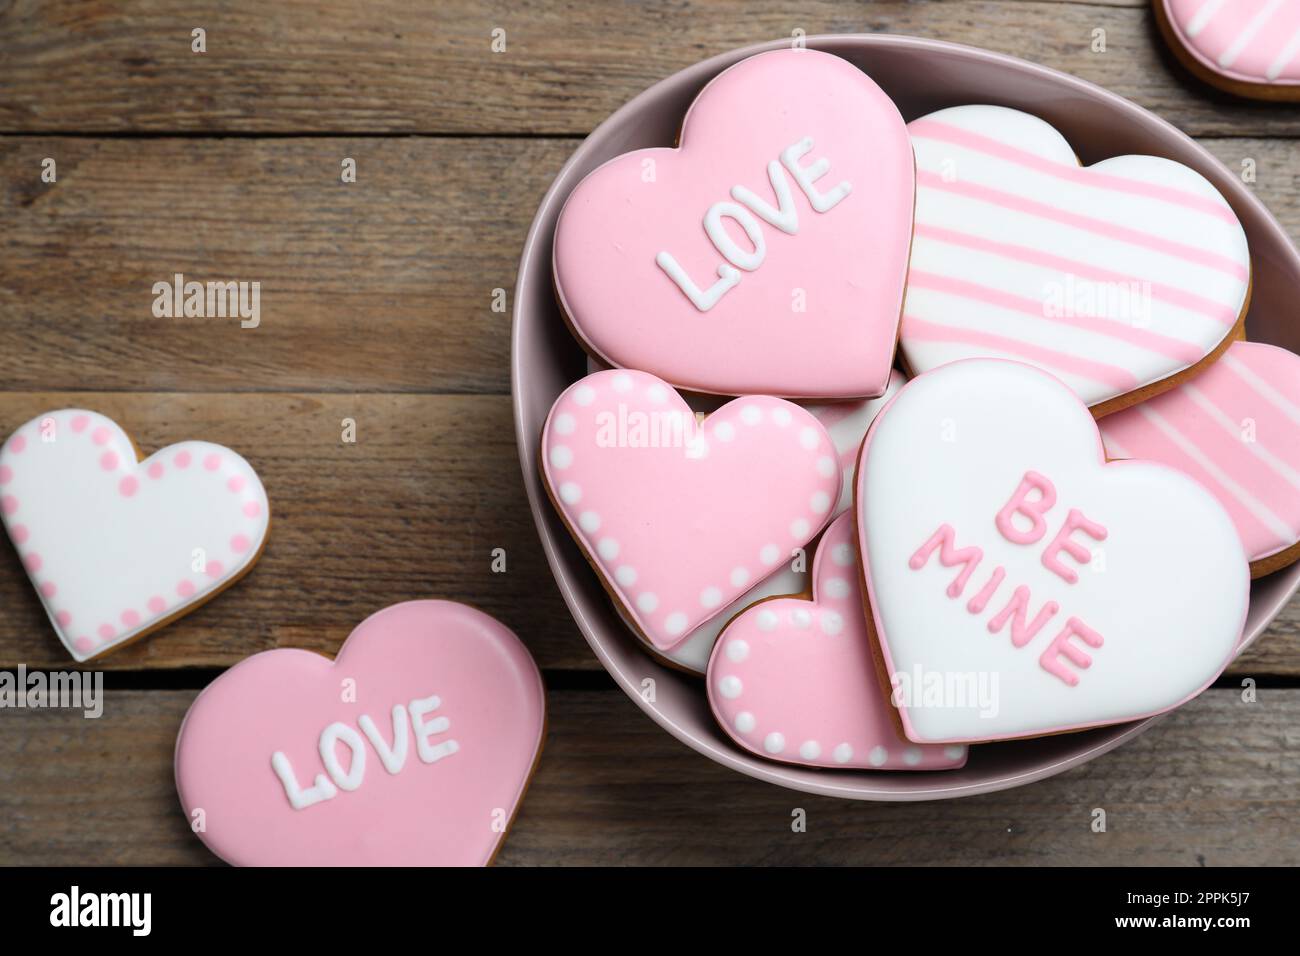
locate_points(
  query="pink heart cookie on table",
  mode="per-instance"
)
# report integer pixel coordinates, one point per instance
(764, 255)
(1118, 277)
(412, 748)
(1247, 47)
(1021, 585)
(118, 547)
(793, 679)
(681, 517)
(1236, 429)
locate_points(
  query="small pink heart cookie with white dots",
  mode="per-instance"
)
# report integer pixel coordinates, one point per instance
(118, 547)
(682, 516)
(793, 679)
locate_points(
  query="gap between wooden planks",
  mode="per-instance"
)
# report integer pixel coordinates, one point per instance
(389, 66)
(413, 509)
(1213, 784)
(385, 284)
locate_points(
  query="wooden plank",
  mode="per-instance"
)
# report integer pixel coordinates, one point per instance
(390, 66)
(381, 285)
(1214, 784)
(384, 284)
(431, 486)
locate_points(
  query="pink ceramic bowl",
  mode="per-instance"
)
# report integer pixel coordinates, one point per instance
(921, 76)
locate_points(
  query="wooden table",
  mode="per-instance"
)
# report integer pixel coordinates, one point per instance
(377, 305)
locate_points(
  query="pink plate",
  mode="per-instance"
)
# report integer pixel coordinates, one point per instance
(921, 76)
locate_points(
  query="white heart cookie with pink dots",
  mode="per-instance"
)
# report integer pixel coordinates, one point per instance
(116, 547)
(681, 517)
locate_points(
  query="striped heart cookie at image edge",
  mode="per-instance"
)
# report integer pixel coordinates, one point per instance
(1249, 47)
(1115, 277)
(1236, 429)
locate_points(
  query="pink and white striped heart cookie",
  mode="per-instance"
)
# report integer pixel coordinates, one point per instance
(1114, 277)
(116, 547)
(681, 517)
(1236, 429)
(1247, 47)
(793, 679)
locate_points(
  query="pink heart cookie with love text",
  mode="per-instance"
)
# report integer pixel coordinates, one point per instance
(116, 547)
(793, 679)
(767, 253)
(682, 517)
(1020, 583)
(412, 748)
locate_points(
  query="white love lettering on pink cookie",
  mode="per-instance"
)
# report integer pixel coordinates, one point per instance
(767, 253)
(116, 547)
(681, 518)
(793, 679)
(412, 748)
(1236, 429)
(1112, 277)
(1256, 42)
(1020, 584)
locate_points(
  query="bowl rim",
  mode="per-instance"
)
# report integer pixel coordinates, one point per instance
(698, 74)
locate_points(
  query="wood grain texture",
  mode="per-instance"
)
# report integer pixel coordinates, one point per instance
(385, 284)
(413, 509)
(1215, 784)
(381, 285)
(396, 67)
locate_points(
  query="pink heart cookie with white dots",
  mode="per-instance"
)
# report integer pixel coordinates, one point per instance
(681, 517)
(793, 679)
(766, 254)
(118, 547)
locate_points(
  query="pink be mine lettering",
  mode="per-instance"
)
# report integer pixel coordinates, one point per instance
(1034, 497)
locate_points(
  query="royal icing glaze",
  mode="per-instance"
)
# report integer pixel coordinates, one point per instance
(115, 546)
(846, 423)
(1250, 41)
(1112, 277)
(1236, 429)
(1020, 585)
(680, 518)
(767, 253)
(412, 748)
(793, 679)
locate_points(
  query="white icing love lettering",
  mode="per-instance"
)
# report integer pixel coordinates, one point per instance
(747, 205)
(392, 756)
(1016, 610)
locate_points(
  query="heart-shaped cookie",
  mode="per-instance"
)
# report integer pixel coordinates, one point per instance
(412, 748)
(1114, 277)
(1020, 584)
(846, 423)
(1247, 47)
(118, 547)
(681, 517)
(1236, 429)
(793, 679)
(767, 253)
